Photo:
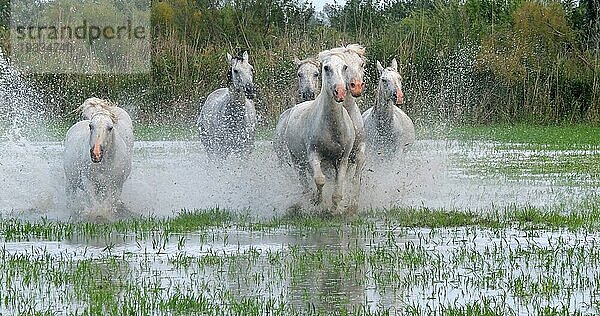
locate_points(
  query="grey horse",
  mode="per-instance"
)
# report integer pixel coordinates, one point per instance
(227, 120)
(97, 159)
(308, 86)
(320, 133)
(388, 129)
(308, 79)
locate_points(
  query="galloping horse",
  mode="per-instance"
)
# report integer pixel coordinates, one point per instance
(227, 120)
(388, 129)
(97, 156)
(354, 56)
(320, 133)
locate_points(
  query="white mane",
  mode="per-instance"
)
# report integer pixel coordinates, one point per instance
(313, 61)
(352, 48)
(93, 106)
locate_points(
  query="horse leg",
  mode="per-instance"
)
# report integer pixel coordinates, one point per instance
(315, 164)
(73, 183)
(338, 193)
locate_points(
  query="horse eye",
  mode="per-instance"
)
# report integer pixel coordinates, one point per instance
(110, 128)
(236, 71)
(326, 68)
(299, 75)
(345, 67)
(316, 75)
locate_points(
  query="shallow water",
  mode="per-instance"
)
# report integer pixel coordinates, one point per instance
(379, 268)
(374, 266)
(168, 176)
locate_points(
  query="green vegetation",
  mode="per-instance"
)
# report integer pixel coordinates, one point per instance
(538, 137)
(473, 61)
(213, 262)
(505, 259)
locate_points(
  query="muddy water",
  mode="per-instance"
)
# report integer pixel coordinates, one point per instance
(170, 176)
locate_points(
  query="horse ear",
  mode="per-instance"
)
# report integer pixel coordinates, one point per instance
(229, 59)
(245, 56)
(297, 61)
(394, 64)
(379, 67)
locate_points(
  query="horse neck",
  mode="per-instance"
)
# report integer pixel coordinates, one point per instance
(383, 112)
(237, 95)
(350, 102)
(331, 112)
(237, 101)
(384, 108)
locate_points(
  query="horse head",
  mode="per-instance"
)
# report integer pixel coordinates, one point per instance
(101, 135)
(240, 75)
(390, 83)
(334, 72)
(354, 55)
(308, 78)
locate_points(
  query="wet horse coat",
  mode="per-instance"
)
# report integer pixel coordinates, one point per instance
(97, 158)
(227, 120)
(388, 129)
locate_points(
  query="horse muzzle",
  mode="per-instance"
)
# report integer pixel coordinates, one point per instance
(399, 96)
(307, 95)
(250, 92)
(96, 153)
(356, 88)
(339, 93)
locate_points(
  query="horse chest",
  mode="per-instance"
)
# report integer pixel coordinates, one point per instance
(329, 147)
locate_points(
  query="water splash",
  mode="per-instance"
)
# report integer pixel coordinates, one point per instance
(22, 107)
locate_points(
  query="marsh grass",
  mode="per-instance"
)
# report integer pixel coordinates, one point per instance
(214, 262)
(500, 260)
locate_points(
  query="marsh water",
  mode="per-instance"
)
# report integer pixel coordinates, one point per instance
(168, 176)
(372, 267)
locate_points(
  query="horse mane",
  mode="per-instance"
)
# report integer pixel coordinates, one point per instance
(352, 48)
(93, 106)
(310, 60)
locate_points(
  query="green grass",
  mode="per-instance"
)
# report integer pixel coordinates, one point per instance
(548, 137)
(323, 265)
(584, 214)
(165, 131)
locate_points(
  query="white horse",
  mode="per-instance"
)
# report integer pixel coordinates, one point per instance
(227, 120)
(97, 158)
(320, 133)
(308, 78)
(388, 129)
(308, 86)
(354, 56)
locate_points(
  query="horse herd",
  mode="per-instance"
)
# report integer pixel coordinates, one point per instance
(324, 134)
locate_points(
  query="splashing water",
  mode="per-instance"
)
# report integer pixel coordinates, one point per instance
(21, 107)
(168, 176)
